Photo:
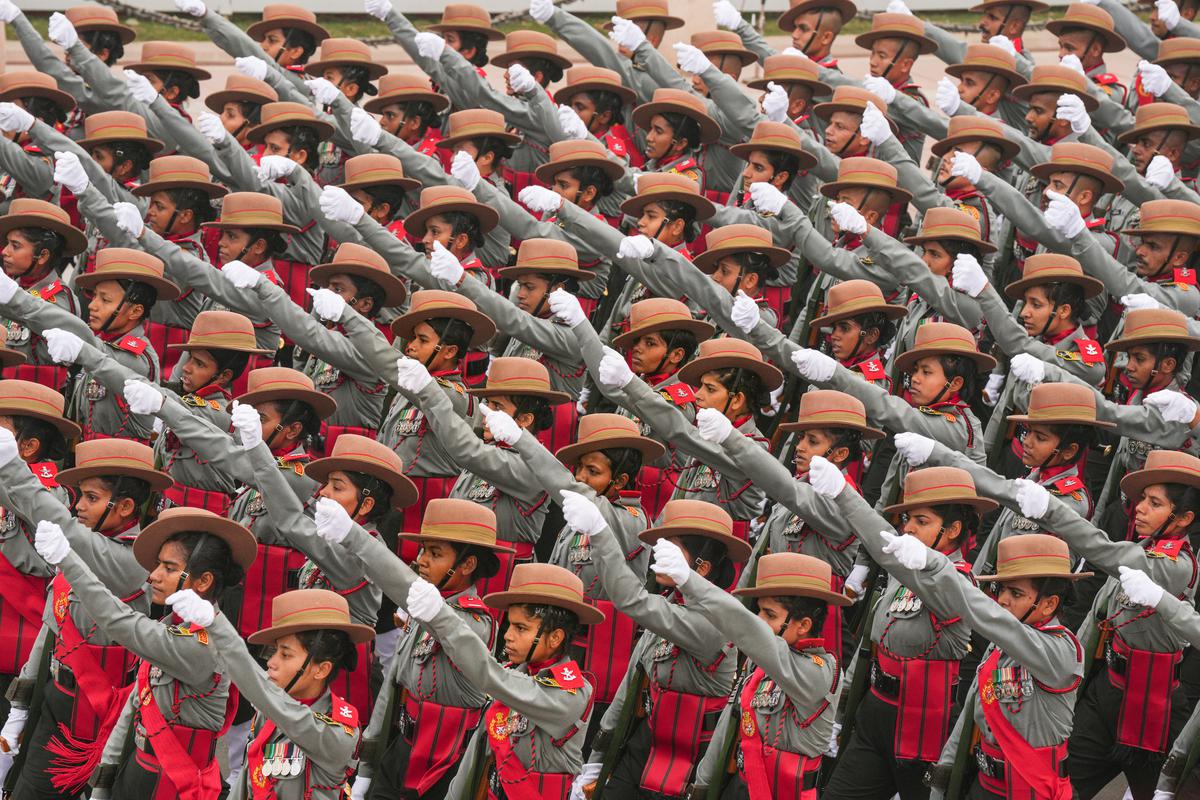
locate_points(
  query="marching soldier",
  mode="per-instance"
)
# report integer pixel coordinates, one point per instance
(1086, 32)
(679, 133)
(30, 171)
(814, 25)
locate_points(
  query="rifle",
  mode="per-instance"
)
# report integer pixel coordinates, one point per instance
(962, 755)
(634, 684)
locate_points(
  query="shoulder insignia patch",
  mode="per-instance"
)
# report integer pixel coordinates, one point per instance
(1106, 79)
(471, 603)
(970, 210)
(133, 345)
(872, 369)
(46, 472)
(1090, 351)
(1068, 355)
(183, 630)
(679, 393)
(1166, 548)
(51, 290)
(568, 676)
(345, 714)
(1069, 485)
(1185, 277)
(633, 511)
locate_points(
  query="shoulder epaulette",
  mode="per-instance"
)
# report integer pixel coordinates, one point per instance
(1069, 485)
(133, 345)
(186, 630)
(1166, 548)
(679, 393)
(1106, 79)
(49, 292)
(472, 603)
(1090, 351)
(567, 677)
(46, 472)
(1185, 277)
(872, 369)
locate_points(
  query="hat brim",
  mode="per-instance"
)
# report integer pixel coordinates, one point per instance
(482, 326)
(1008, 148)
(126, 33)
(497, 546)
(905, 361)
(404, 491)
(196, 72)
(488, 217)
(12, 358)
(376, 105)
(1110, 184)
(787, 20)
(1131, 135)
(981, 505)
(649, 449)
(518, 270)
(258, 132)
(887, 309)
(1113, 42)
(745, 56)
(549, 395)
(75, 240)
(743, 151)
(152, 145)
(1133, 484)
(691, 372)
(149, 542)
(403, 184)
(1033, 6)
(259, 29)
(491, 33)
(866, 431)
(374, 69)
(217, 100)
(926, 45)
(704, 208)
(213, 190)
(1013, 77)
(322, 404)
(670, 22)
(1027, 90)
(68, 429)
(1091, 286)
(710, 130)
(158, 480)
(738, 550)
(1124, 343)
(60, 98)
(564, 94)
(546, 172)
(588, 614)
(1070, 576)
(707, 261)
(358, 633)
(697, 327)
(506, 59)
(393, 288)
(164, 289)
(819, 89)
(984, 246)
(827, 110)
(832, 598)
(1025, 419)
(898, 194)
(449, 142)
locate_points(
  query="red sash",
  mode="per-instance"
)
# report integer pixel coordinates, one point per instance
(267, 577)
(354, 685)
(45, 374)
(562, 432)
(1027, 769)
(439, 740)
(22, 600)
(183, 495)
(294, 277)
(608, 648)
(770, 773)
(831, 629)
(658, 484)
(676, 733)
(161, 335)
(1149, 681)
(777, 298)
(332, 432)
(518, 781)
(923, 707)
(262, 787)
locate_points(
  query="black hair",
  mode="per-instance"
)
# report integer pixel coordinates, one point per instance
(304, 137)
(487, 563)
(736, 379)
(135, 489)
(452, 332)
(45, 239)
(1066, 294)
(54, 444)
(187, 84)
(606, 101)
(551, 72)
(1082, 435)
(276, 244)
(292, 411)
(592, 176)
(715, 553)
(461, 222)
(675, 209)
(553, 618)
(205, 552)
(679, 338)
(878, 321)
(1175, 350)
(367, 288)
(959, 512)
(957, 247)
(296, 37)
(330, 645)
(961, 367)
(422, 109)
(847, 438)
(783, 162)
(139, 294)
(684, 127)
(623, 461)
(386, 193)
(543, 415)
(135, 152)
(469, 39)
(380, 490)
(358, 75)
(233, 360)
(757, 264)
(499, 149)
(552, 279)
(1184, 498)
(97, 40)
(193, 200)
(45, 109)
(1062, 588)
(252, 111)
(799, 607)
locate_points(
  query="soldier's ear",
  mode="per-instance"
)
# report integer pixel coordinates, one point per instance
(368, 504)
(29, 448)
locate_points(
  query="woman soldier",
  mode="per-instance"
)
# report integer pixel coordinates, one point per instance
(304, 738)
(180, 703)
(678, 132)
(29, 172)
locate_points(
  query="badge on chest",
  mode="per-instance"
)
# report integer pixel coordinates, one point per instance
(95, 391)
(328, 377)
(424, 647)
(282, 760)
(479, 490)
(17, 334)
(904, 602)
(705, 479)
(1011, 685)
(409, 422)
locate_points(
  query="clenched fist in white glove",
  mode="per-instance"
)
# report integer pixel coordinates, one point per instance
(411, 375)
(62, 32)
(540, 200)
(745, 313)
(15, 118)
(571, 123)
(775, 103)
(429, 45)
(8, 11)
(898, 7)
(1071, 109)
(1004, 43)
(364, 128)
(1139, 300)
(875, 125)
(192, 608)
(637, 246)
(1139, 587)
(211, 127)
(848, 218)
(51, 543)
(969, 277)
(669, 561)
(767, 198)
(424, 600)
(581, 514)
(272, 168)
(991, 392)
(914, 448)
(713, 426)
(194, 8)
(946, 96)
(331, 520)
(140, 88)
(626, 34)
(62, 345)
(1032, 498)
(1027, 368)
(444, 265)
(964, 165)
(328, 304)
(825, 478)
(726, 15)
(910, 551)
(1160, 172)
(362, 784)
(337, 204)
(247, 423)
(1063, 215)
(541, 10)
(69, 172)
(856, 581)
(1168, 13)
(14, 726)
(322, 91)
(813, 365)
(588, 775)
(691, 59)
(565, 306)
(8, 446)
(251, 67)
(1155, 79)
(881, 88)
(241, 275)
(1174, 406)
(613, 371)
(465, 170)
(520, 80)
(129, 219)
(504, 428)
(1073, 62)
(379, 9)
(141, 397)
(8, 287)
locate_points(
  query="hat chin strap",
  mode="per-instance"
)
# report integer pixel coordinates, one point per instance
(536, 639)
(307, 660)
(186, 573)
(1037, 598)
(459, 558)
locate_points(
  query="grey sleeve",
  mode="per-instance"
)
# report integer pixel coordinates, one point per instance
(950, 48)
(40, 315)
(213, 444)
(426, 169)
(549, 338)
(308, 332)
(1024, 215)
(403, 261)
(371, 345)
(1009, 333)
(1180, 616)
(934, 289)
(513, 218)
(30, 172)
(914, 114)
(593, 45)
(754, 41)
(44, 60)
(385, 569)
(1137, 34)
(740, 111)
(911, 176)
(186, 269)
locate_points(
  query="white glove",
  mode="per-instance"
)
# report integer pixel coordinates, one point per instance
(8, 288)
(541, 10)
(62, 32)
(1155, 79)
(726, 15)
(411, 375)
(565, 306)
(15, 118)
(8, 12)
(328, 304)
(424, 600)
(691, 59)
(910, 551)
(775, 103)
(835, 731)
(613, 371)
(271, 168)
(590, 771)
(581, 405)
(1027, 368)
(14, 726)
(773, 402)
(581, 514)
(192, 608)
(520, 80)
(991, 392)
(1159, 172)
(946, 96)
(331, 520)
(444, 265)
(62, 345)
(968, 275)
(964, 165)
(362, 784)
(337, 204)
(813, 365)
(193, 7)
(745, 312)
(129, 219)
(251, 67)
(635, 247)
(8, 446)
(571, 123)
(1063, 215)
(50, 543)
(1004, 43)
(1139, 300)
(767, 199)
(898, 7)
(1090, 2)
(141, 397)
(247, 423)
(1174, 406)
(1074, 63)
(1032, 498)
(669, 561)
(540, 199)
(875, 125)
(69, 172)
(503, 427)
(377, 8)
(848, 218)
(713, 426)
(429, 45)
(1141, 590)
(825, 479)
(211, 127)
(364, 128)
(626, 34)
(1168, 15)
(139, 87)
(241, 275)
(914, 448)
(1070, 108)
(322, 90)
(881, 88)
(856, 581)
(792, 51)
(465, 170)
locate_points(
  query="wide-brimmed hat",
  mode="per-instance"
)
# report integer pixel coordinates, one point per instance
(646, 11)
(183, 519)
(362, 262)
(1033, 555)
(286, 15)
(897, 26)
(854, 298)
(661, 314)
(284, 114)
(862, 172)
(943, 339)
(405, 87)
(1179, 50)
(29, 83)
(460, 522)
(1044, 268)
(678, 101)
(476, 123)
(253, 210)
(775, 137)
(445, 199)
(8, 356)
(982, 57)
(975, 128)
(221, 330)
(1149, 326)
(26, 212)
(467, 17)
(697, 518)
(794, 574)
(784, 69)
(179, 172)
(609, 432)
(588, 78)
(125, 264)
(550, 256)
(300, 610)
(1056, 79)
(1163, 466)
(1169, 217)
(852, 100)
(726, 353)
(546, 584)
(943, 223)
(831, 409)
(354, 453)
(430, 304)
(1091, 18)
(1033, 5)
(1083, 159)
(159, 56)
(377, 169)
(270, 384)
(845, 8)
(731, 240)
(940, 486)
(28, 399)
(521, 44)
(90, 18)
(115, 458)
(571, 153)
(341, 52)
(241, 89)
(656, 187)
(1160, 117)
(721, 44)
(510, 375)
(108, 127)
(1061, 404)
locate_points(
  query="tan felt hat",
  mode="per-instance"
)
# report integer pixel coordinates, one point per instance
(269, 384)
(697, 518)
(940, 486)
(301, 610)
(609, 432)
(221, 330)
(1033, 555)
(724, 353)
(943, 338)
(551, 256)
(252, 210)
(179, 172)
(678, 101)
(346, 53)
(282, 114)
(731, 240)
(28, 399)
(1061, 404)
(362, 262)
(377, 169)
(161, 56)
(1091, 18)
(794, 574)
(529, 44)
(831, 409)
(354, 453)
(122, 263)
(405, 87)
(286, 15)
(661, 314)
(26, 212)
(90, 18)
(430, 304)
(241, 89)
(445, 199)
(182, 519)
(460, 522)
(116, 126)
(1163, 466)
(115, 458)
(1043, 268)
(546, 584)
(509, 375)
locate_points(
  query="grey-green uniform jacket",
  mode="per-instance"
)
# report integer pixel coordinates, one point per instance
(1182, 618)
(236, 42)
(28, 174)
(49, 289)
(17, 530)
(51, 141)
(44, 60)
(1120, 280)
(595, 47)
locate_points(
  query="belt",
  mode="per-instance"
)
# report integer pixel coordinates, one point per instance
(809, 781)
(143, 743)
(62, 675)
(994, 768)
(707, 725)
(886, 684)
(1118, 663)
